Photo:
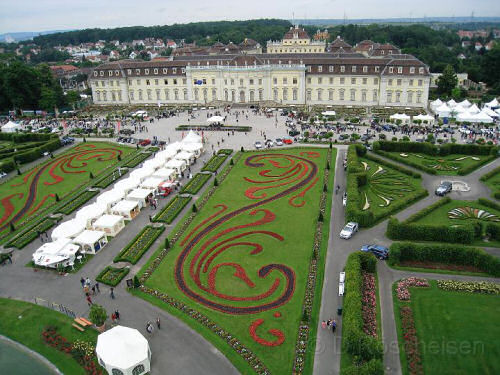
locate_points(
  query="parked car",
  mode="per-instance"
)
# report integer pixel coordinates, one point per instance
(349, 230)
(269, 143)
(343, 136)
(381, 252)
(3, 174)
(145, 142)
(293, 133)
(344, 199)
(444, 188)
(287, 140)
(279, 142)
(258, 145)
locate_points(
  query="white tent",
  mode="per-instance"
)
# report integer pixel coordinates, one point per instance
(493, 104)
(451, 103)
(436, 103)
(176, 146)
(140, 195)
(154, 163)
(482, 118)
(401, 116)
(465, 117)
(166, 154)
(11, 127)
(90, 213)
(188, 157)
(443, 110)
(54, 254)
(165, 174)
(192, 137)
(129, 209)
(428, 118)
(215, 119)
(474, 109)
(465, 103)
(123, 350)
(178, 165)
(328, 113)
(142, 173)
(127, 184)
(195, 148)
(110, 224)
(458, 109)
(490, 112)
(152, 183)
(69, 229)
(108, 198)
(91, 241)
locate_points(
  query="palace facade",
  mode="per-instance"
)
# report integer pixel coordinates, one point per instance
(339, 76)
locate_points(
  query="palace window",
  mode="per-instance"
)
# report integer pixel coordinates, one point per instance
(389, 82)
(411, 82)
(375, 95)
(165, 81)
(365, 81)
(363, 96)
(308, 95)
(98, 96)
(353, 95)
(183, 70)
(165, 70)
(391, 69)
(275, 81)
(330, 68)
(330, 94)
(398, 96)
(294, 80)
(320, 80)
(320, 69)
(147, 82)
(232, 81)
(155, 71)
(309, 80)
(342, 80)
(420, 82)
(140, 94)
(146, 71)
(400, 69)
(419, 97)
(196, 94)
(412, 70)
(275, 95)
(389, 97)
(174, 70)
(110, 73)
(294, 93)
(138, 71)
(421, 70)
(353, 69)
(158, 96)
(320, 94)
(342, 69)
(410, 96)
(104, 96)
(131, 95)
(250, 81)
(150, 97)
(175, 81)
(341, 94)
(167, 94)
(285, 94)
(138, 82)
(176, 94)
(377, 69)
(365, 69)
(184, 81)
(331, 80)
(375, 81)
(399, 82)
(353, 81)
(184, 93)
(156, 82)
(261, 95)
(285, 81)
(260, 81)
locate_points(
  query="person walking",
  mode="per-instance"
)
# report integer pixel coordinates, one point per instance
(89, 300)
(93, 290)
(97, 287)
(158, 322)
(82, 281)
(149, 327)
(334, 326)
(117, 314)
(112, 293)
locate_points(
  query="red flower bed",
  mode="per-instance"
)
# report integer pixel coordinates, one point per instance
(369, 305)
(275, 332)
(410, 341)
(403, 288)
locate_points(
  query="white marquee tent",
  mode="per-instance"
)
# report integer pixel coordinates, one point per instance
(152, 183)
(110, 224)
(188, 157)
(127, 184)
(90, 213)
(11, 127)
(482, 118)
(129, 209)
(140, 195)
(176, 146)
(142, 173)
(493, 104)
(191, 137)
(465, 103)
(215, 119)
(474, 109)
(110, 197)
(91, 241)
(196, 148)
(123, 350)
(451, 103)
(52, 254)
(166, 154)
(178, 165)
(154, 163)
(490, 112)
(436, 103)
(165, 174)
(328, 113)
(428, 118)
(443, 110)
(69, 229)
(401, 116)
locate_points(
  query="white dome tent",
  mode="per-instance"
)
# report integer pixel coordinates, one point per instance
(493, 104)
(11, 127)
(401, 116)
(123, 351)
(191, 137)
(423, 118)
(474, 109)
(91, 213)
(69, 229)
(436, 103)
(443, 110)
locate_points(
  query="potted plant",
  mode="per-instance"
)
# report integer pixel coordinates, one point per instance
(98, 316)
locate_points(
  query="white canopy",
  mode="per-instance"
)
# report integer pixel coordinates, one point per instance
(91, 211)
(139, 193)
(165, 173)
(423, 118)
(465, 103)
(175, 164)
(10, 127)
(89, 237)
(124, 349)
(50, 254)
(482, 118)
(494, 103)
(490, 112)
(152, 183)
(127, 184)
(328, 113)
(451, 103)
(443, 110)
(142, 173)
(166, 154)
(184, 155)
(69, 229)
(154, 163)
(176, 146)
(124, 206)
(400, 116)
(110, 197)
(458, 109)
(474, 109)
(192, 137)
(465, 116)
(436, 103)
(215, 119)
(192, 147)
(108, 221)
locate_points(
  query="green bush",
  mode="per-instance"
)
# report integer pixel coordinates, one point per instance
(372, 367)
(97, 315)
(488, 203)
(420, 214)
(112, 276)
(393, 166)
(492, 230)
(444, 253)
(490, 174)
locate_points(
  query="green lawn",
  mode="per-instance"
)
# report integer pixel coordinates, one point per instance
(24, 322)
(457, 332)
(448, 165)
(385, 188)
(494, 183)
(67, 171)
(282, 235)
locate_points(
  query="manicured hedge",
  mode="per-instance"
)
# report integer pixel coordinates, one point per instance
(488, 203)
(137, 159)
(196, 183)
(464, 234)
(358, 344)
(214, 163)
(27, 236)
(225, 151)
(77, 201)
(112, 276)
(7, 165)
(468, 169)
(108, 179)
(444, 253)
(492, 230)
(393, 166)
(490, 174)
(406, 161)
(172, 209)
(211, 128)
(139, 245)
(424, 212)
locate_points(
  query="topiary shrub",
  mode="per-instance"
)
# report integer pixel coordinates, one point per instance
(98, 315)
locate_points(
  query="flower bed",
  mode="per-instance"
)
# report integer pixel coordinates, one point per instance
(225, 151)
(214, 163)
(369, 305)
(112, 276)
(402, 290)
(196, 183)
(77, 201)
(141, 243)
(83, 352)
(410, 341)
(111, 177)
(137, 159)
(172, 209)
(27, 236)
(214, 128)
(483, 287)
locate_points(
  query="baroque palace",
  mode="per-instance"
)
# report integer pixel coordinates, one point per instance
(294, 71)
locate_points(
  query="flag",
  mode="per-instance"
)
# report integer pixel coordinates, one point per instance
(118, 125)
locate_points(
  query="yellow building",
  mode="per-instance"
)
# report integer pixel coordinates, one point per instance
(296, 40)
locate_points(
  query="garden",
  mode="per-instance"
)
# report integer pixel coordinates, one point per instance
(172, 209)
(110, 178)
(48, 333)
(196, 183)
(140, 244)
(137, 159)
(245, 268)
(214, 162)
(34, 193)
(447, 326)
(492, 179)
(77, 202)
(112, 275)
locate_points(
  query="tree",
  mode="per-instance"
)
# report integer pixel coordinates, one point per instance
(72, 97)
(448, 80)
(98, 315)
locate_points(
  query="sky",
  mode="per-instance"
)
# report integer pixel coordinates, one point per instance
(41, 15)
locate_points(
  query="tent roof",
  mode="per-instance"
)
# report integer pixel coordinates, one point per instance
(451, 103)
(164, 173)
(108, 220)
(328, 113)
(215, 119)
(400, 116)
(174, 146)
(91, 211)
(191, 137)
(493, 103)
(175, 163)
(192, 146)
(152, 182)
(122, 347)
(489, 112)
(154, 163)
(436, 102)
(139, 193)
(465, 103)
(125, 206)
(474, 109)
(184, 155)
(89, 237)
(70, 228)
(142, 172)
(111, 196)
(482, 117)
(166, 154)
(128, 183)
(11, 125)
(423, 117)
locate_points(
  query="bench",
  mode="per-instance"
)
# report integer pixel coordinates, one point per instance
(88, 322)
(341, 289)
(80, 322)
(78, 327)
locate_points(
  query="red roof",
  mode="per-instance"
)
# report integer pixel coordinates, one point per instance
(301, 33)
